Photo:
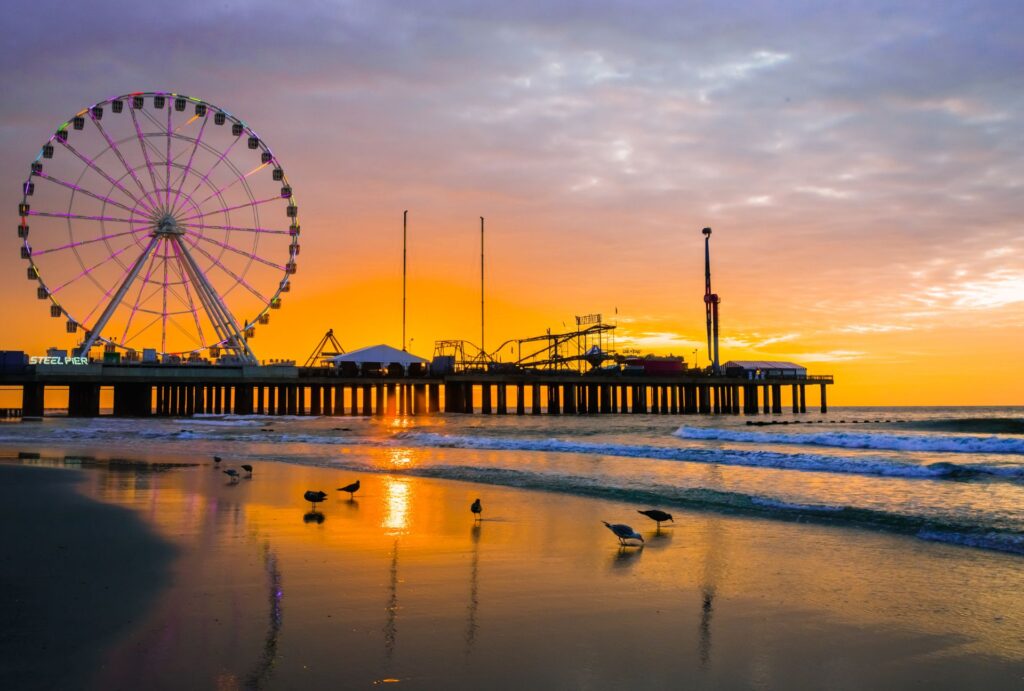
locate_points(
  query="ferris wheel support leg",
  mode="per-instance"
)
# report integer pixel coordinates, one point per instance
(222, 317)
(97, 330)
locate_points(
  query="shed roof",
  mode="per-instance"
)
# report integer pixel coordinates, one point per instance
(381, 354)
(763, 364)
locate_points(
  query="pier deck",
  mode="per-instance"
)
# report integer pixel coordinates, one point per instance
(181, 390)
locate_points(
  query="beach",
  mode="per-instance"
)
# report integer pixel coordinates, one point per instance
(241, 585)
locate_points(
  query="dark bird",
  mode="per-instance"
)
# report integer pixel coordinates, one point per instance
(654, 514)
(247, 468)
(217, 459)
(477, 510)
(314, 498)
(351, 489)
(232, 473)
(623, 532)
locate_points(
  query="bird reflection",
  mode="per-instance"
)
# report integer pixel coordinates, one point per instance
(626, 557)
(390, 622)
(659, 538)
(264, 666)
(471, 625)
(313, 517)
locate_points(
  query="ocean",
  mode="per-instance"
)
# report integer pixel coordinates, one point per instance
(952, 475)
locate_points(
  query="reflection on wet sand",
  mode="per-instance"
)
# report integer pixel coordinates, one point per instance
(471, 625)
(391, 619)
(714, 565)
(313, 517)
(626, 557)
(264, 666)
(396, 505)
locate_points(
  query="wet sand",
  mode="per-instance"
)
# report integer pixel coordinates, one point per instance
(75, 574)
(401, 586)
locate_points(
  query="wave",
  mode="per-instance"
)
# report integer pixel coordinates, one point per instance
(879, 466)
(865, 465)
(858, 440)
(975, 535)
(973, 425)
(992, 540)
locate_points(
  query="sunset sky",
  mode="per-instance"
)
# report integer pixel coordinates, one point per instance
(861, 163)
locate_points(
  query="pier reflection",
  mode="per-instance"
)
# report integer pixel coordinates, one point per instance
(391, 618)
(714, 565)
(474, 601)
(264, 665)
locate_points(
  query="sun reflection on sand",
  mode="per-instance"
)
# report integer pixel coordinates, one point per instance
(397, 499)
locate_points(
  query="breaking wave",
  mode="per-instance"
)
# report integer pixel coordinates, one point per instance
(858, 440)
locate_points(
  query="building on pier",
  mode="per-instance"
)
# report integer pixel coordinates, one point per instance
(763, 369)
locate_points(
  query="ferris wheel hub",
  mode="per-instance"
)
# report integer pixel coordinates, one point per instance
(167, 225)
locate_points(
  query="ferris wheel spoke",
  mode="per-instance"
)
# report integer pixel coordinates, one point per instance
(167, 175)
(188, 166)
(120, 157)
(141, 331)
(39, 253)
(225, 188)
(138, 296)
(92, 268)
(232, 248)
(157, 153)
(253, 203)
(221, 318)
(89, 162)
(243, 229)
(82, 190)
(188, 294)
(133, 273)
(232, 274)
(219, 160)
(81, 217)
(163, 326)
(145, 154)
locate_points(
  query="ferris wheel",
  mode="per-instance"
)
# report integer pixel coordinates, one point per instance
(157, 220)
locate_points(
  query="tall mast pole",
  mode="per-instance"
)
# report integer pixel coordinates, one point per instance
(711, 302)
(405, 217)
(482, 350)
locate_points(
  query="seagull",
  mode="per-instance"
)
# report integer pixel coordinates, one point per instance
(247, 468)
(217, 459)
(231, 473)
(314, 498)
(623, 532)
(477, 509)
(351, 489)
(654, 514)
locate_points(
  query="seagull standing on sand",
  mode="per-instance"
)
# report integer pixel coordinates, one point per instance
(623, 532)
(247, 468)
(232, 473)
(654, 514)
(217, 459)
(314, 498)
(477, 510)
(351, 489)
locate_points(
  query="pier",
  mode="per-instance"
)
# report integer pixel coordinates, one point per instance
(182, 390)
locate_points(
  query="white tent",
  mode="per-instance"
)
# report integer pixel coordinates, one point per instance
(757, 369)
(381, 355)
